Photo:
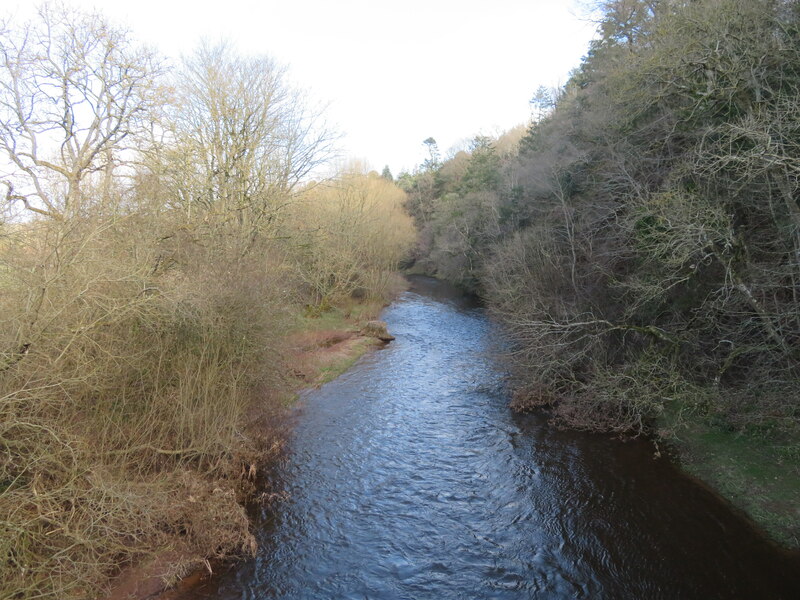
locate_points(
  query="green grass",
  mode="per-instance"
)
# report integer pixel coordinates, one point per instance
(333, 318)
(345, 318)
(759, 476)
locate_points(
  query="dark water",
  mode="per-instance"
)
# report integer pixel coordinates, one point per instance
(408, 477)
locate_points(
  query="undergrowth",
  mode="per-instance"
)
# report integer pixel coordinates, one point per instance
(122, 390)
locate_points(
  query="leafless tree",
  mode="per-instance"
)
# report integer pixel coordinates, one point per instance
(244, 138)
(72, 89)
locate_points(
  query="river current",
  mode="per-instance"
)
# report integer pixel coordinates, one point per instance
(409, 478)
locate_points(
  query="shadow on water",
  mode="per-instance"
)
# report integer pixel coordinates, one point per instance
(441, 291)
(409, 478)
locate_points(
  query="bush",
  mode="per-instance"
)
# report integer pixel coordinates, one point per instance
(124, 376)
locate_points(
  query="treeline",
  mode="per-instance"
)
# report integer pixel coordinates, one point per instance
(159, 235)
(641, 240)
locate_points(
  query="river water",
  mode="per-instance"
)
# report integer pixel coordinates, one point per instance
(409, 478)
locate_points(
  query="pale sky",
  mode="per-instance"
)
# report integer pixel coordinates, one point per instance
(391, 73)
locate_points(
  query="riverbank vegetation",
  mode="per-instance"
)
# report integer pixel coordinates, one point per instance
(641, 240)
(161, 244)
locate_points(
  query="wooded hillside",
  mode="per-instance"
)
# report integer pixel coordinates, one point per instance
(641, 244)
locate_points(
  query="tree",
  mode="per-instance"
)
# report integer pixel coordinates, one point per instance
(483, 168)
(245, 138)
(543, 102)
(72, 89)
(433, 160)
(387, 174)
(626, 22)
(355, 234)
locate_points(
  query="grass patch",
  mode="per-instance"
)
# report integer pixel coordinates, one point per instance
(340, 364)
(343, 317)
(759, 476)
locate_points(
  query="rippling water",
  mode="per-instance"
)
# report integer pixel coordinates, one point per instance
(409, 478)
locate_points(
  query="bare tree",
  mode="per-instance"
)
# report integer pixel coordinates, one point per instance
(72, 88)
(352, 234)
(245, 138)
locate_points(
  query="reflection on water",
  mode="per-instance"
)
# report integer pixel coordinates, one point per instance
(409, 478)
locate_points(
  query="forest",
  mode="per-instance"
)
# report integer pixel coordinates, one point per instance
(640, 240)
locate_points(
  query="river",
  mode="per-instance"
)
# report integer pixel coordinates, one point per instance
(409, 478)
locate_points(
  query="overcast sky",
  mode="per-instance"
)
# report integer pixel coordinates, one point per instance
(391, 73)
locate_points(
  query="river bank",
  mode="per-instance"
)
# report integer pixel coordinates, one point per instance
(320, 346)
(754, 469)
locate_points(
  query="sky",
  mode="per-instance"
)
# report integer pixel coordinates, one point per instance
(389, 74)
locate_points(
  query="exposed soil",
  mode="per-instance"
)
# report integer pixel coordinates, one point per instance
(146, 581)
(315, 352)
